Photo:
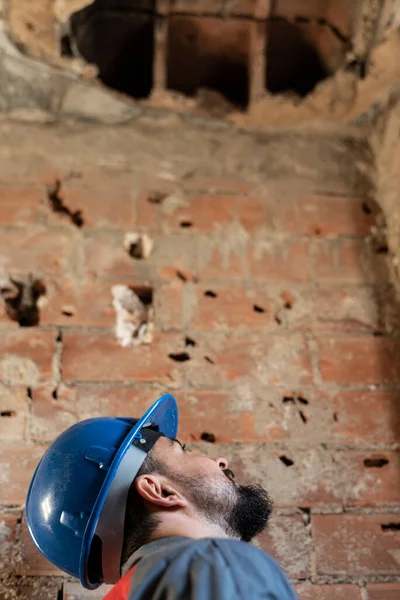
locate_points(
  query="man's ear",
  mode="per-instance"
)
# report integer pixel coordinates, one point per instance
(157, 491)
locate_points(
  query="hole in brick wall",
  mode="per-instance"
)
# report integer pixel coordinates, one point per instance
(293, 61)
(210, 294)
(208, 437)
(376, 462)
(301, 53)
(302, 400)
(54, 394)
(390, 526)
(59, 337)
(119, 40)
(288, 399)
(209, 53)
(288, 300)
(57, 205)
(181, 276)
(144, 293)
(366, 208)
(258, 309)
(382, 248)
(335, 417)
(209, 360)
(189, 341)
(288, 462)
(68, 311)
(278, 320)
(179, 356)
(8, 413)
(186, 224)
(303, 416)
(29, 393)
(156, 197)
(21, 297)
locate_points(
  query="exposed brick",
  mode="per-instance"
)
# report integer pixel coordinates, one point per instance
(355, 545)
(222, 258)
(32, 25)
(98, 357)
(42, 252)
(208, 411)
(334, 216)
(27, 356)
(349, 309)
(36, 588)
(18, 464)
(14, 412)
(239, 307)
(359, 360)
(219, 185)
(19, 206)
(365, 417)
(277, 260)
(227, 359)
(317, 477)
(383, 591)
(169, 307)
(74, 591)
(8, 526)
(73, 302)
(29, 560)
(88, 303)
(200, 213)
(348, 261)
(53, 410)
(307, 591)
(107, 258)
(289, 542)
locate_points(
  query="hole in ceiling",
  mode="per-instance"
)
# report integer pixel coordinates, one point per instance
(119, 41)
(209, 53)
(293, 62)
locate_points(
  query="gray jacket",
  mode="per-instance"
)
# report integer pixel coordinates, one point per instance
(179, 568)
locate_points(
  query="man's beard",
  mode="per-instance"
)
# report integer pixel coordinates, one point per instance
(242, 511)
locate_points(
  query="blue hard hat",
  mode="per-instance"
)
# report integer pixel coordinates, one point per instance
(75, 507)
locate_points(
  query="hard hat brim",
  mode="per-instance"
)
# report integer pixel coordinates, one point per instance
(163, 414)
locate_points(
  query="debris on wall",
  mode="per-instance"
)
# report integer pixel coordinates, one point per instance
(138, 245)
(134, 319)
(22, 298)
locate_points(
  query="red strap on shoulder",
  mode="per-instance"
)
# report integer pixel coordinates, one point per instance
(121, 590)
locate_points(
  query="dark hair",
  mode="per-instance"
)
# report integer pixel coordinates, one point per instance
(139, 523)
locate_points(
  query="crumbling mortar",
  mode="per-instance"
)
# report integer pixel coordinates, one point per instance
(57, 359)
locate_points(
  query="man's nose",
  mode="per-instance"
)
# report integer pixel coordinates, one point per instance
(222, 462)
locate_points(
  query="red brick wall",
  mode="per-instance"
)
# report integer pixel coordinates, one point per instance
(281, 300)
